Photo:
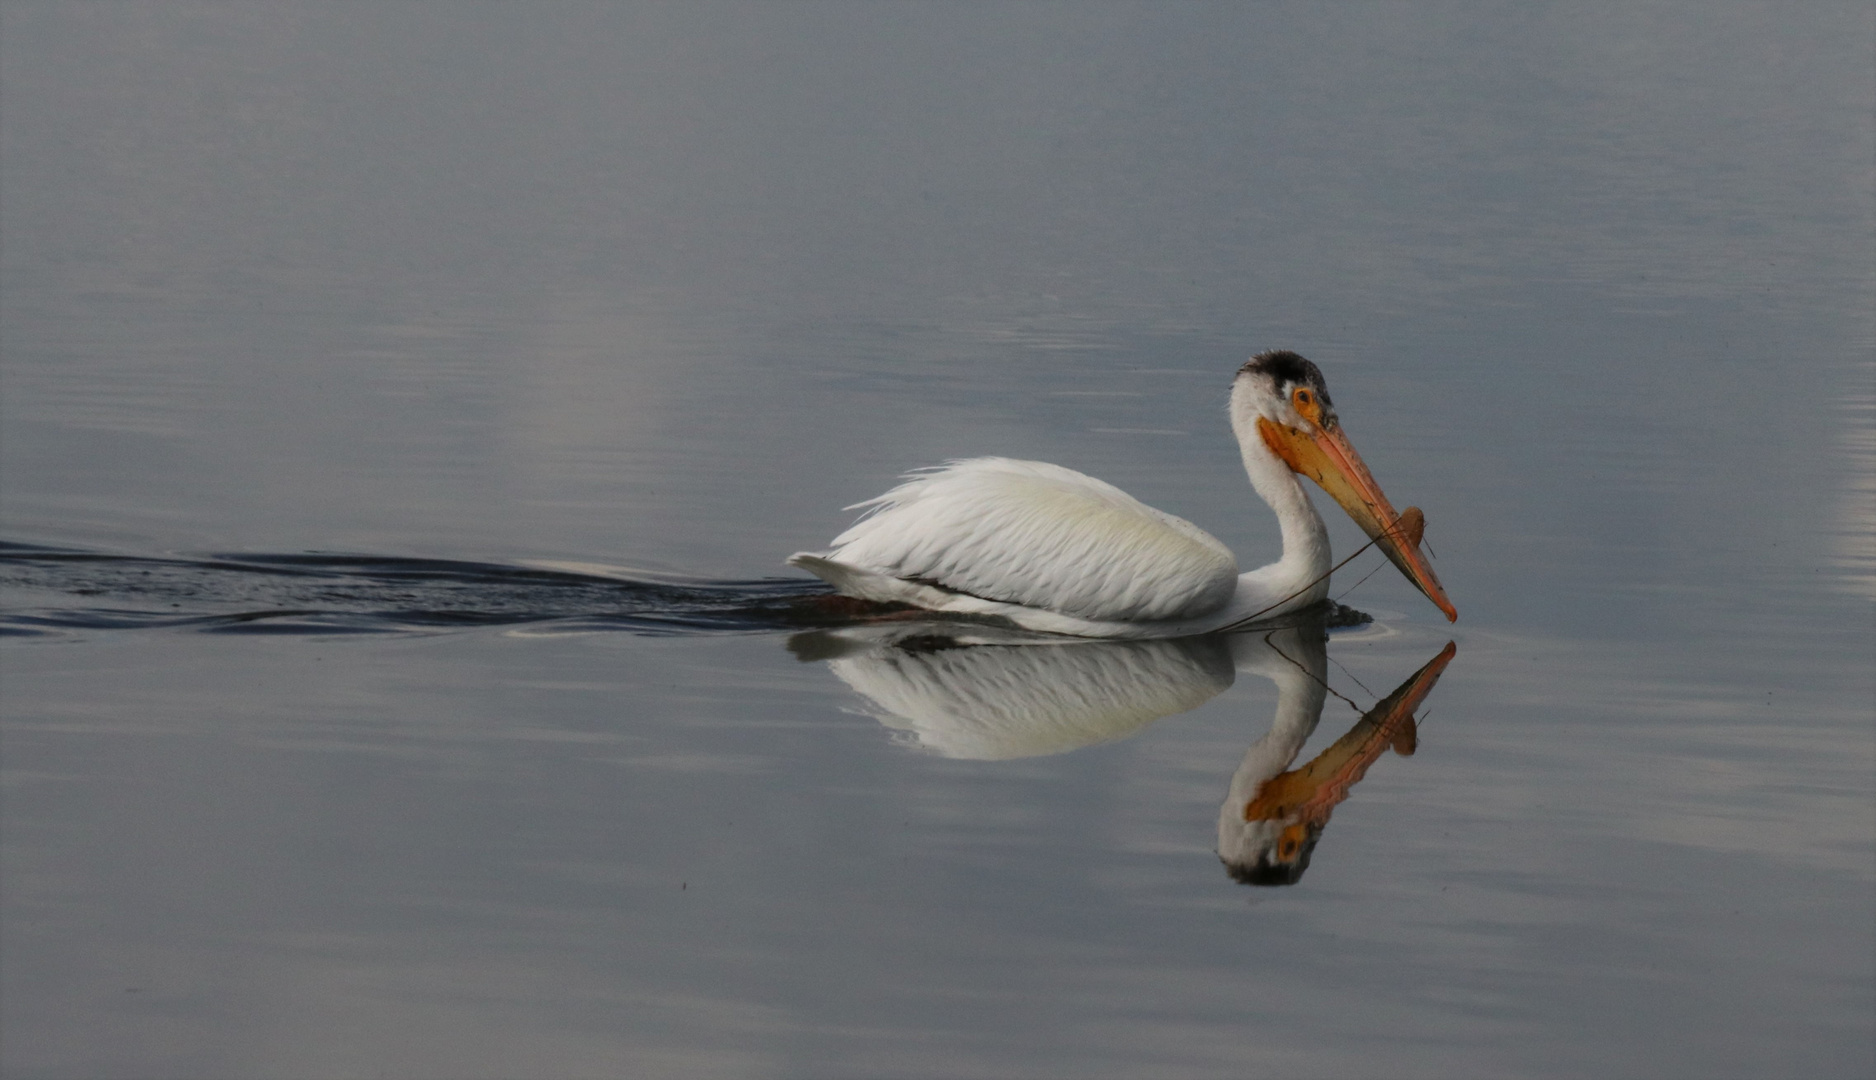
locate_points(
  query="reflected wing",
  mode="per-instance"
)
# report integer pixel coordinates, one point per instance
(1030, 533)
(992, 702)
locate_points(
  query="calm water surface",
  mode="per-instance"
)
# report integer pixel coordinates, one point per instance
(406, 412)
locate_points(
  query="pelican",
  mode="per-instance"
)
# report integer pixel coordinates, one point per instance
(1057, 551)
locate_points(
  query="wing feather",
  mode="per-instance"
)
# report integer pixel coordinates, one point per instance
(1031, 533)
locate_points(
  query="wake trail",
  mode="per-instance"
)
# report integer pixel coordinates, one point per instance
(53, 591)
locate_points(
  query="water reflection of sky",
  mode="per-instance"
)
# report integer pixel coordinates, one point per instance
(663, 288)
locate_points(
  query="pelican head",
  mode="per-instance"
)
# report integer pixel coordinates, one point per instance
(1279, 400)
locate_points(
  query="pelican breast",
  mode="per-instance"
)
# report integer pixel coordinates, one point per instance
(1031, 533)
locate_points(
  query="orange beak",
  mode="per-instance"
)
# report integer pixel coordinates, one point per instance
(1326, 456)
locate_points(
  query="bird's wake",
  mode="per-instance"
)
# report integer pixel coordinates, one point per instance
(61, 591)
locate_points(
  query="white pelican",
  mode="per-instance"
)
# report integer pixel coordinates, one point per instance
(1053, 550)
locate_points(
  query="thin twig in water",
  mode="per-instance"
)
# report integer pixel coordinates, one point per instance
(1351, 676)
(1298, 665)
(1385, 530)
(1358, 584)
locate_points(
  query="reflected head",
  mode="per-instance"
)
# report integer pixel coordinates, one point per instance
(1285, 868)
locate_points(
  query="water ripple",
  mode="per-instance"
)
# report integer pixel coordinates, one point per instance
(55, 591)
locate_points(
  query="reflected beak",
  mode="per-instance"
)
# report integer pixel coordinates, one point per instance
(1326, 456)
(1309, 793)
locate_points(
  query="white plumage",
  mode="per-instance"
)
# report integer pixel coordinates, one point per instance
(1039, 535)
(1051, 549)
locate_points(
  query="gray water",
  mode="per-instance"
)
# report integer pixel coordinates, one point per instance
(406, 408)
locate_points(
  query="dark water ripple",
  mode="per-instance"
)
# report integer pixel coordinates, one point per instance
(50, 591)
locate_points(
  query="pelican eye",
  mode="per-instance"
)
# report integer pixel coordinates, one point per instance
(1305, 401)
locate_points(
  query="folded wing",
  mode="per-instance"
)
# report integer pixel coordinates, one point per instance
(1039, 535)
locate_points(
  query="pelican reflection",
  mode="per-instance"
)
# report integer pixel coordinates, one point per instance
(980, 695)
(1273, 815)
